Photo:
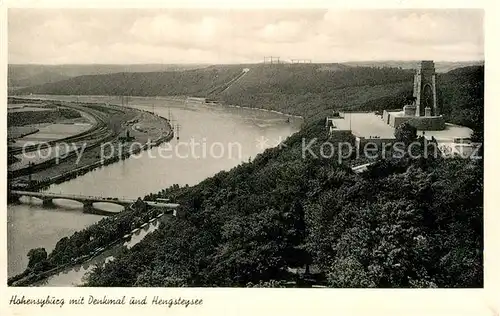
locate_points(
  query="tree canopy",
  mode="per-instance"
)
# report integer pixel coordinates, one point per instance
(405, 133)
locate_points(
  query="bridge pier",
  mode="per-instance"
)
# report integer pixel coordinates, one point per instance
(87, 201)
(88, 206)
(47, 202)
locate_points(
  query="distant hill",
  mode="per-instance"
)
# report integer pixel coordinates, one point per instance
(305, 91)
(461, 96)
(25, 75)
(302, 89)
(313, 90)
(195, 82)
(309, 90)
(34, 80)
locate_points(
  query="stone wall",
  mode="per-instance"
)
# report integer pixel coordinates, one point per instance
(428, 123)
(421, 123)
(395, 120)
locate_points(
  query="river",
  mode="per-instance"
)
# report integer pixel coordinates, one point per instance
(211, 138)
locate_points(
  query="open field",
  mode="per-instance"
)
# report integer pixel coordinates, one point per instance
(21, 117)
(20, 75)
(15, 132)
(110, 125)
(58, 131)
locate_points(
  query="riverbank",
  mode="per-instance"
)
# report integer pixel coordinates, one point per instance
(215, 102)
(72, 174)
(119, 140)
(265, 110)
(74, 275)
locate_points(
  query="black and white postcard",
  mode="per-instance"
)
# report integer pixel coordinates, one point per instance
(253, 159)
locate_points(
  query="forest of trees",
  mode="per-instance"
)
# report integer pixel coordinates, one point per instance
(312, 92)
(309, 90)
(404, 223)
(194, 82)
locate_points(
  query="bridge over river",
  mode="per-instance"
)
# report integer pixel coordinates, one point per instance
(87, 201)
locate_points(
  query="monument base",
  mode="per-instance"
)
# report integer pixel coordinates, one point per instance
(421, 123)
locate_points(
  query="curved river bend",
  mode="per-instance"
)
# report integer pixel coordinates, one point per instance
(211, 138)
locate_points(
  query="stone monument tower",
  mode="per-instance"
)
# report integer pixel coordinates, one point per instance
(421, 110)
(424, 89)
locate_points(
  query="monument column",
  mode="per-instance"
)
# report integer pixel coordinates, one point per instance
(436, 110)
(425, 88)
(416, 92)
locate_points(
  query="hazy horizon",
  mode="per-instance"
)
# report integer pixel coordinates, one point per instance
(237, 63)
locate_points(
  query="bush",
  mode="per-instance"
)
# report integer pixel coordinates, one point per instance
(405, 133)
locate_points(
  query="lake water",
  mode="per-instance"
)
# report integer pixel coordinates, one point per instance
(211, 138)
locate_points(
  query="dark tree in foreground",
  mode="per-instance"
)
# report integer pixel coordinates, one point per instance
(405, 133)
(36, 255)
(37, 259)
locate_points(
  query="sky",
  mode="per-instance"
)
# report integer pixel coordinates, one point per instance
(142, 36)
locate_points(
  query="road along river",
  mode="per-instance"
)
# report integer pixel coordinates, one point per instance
(211, 138)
